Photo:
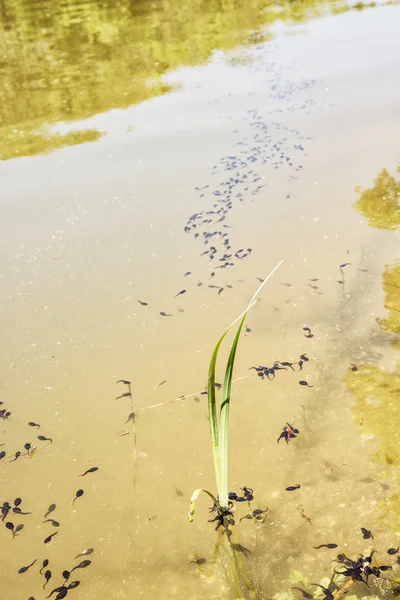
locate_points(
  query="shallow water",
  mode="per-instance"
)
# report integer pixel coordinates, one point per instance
(281, 113)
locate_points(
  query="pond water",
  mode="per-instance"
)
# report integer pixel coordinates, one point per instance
(153, 148)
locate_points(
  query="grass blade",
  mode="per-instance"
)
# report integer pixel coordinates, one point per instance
(224, 418)
(193, 501)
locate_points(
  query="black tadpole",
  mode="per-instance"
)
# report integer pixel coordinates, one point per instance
(47, 576)
(43, 438)
(91, 470)
(66, 574)
(2, 454)
(24, 569)
(50, 537)
(325, 546)
(125, 381)
(18, 529)
(163, 314)
(78, 494)
(308, 334)
(142, 303)
(45, 563)
(393, 550)
(73, 585)
(292, 488)
(10, 526)
(32, 424)
(82, 565)
(179, 294)
(53, 522)
(198, 561)
(367, 534)
(302, 382)
(50, 510)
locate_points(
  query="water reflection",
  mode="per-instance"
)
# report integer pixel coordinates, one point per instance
(376, 390)
(65, 61)
(380, 204)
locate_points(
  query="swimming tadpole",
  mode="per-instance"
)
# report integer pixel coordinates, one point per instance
(91, 470)
(44, 565)
(78, 494)
(50, 537)
(305, 383)
(66, 574)
(82, 565)
(43, 438)
(32, 424)
(51, 508)
(47, 576)
(53, 522)
(73, 585)
(85, 552)
(24, 569)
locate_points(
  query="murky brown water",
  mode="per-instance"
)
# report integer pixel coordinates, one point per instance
(270, 115)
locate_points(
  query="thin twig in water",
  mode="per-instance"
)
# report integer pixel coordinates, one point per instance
(185, 397)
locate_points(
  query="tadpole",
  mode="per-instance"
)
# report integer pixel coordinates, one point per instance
(82, 565)
(49, 538)
(24, 569)
(32, 424)
(302, 382)
(53, 522)
(91, 470)
(198, 561)
(45, 563)
(51, 508)
(85, 552)
(47, 576)
(78, 494)
(367, 534)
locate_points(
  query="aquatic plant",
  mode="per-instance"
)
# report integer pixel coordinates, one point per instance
(219, 433)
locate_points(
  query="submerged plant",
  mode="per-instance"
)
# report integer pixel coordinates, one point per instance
(218, 416)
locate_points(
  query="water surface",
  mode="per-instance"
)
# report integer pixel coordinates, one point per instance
(272, 115)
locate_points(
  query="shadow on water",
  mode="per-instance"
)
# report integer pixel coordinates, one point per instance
(67, 61)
